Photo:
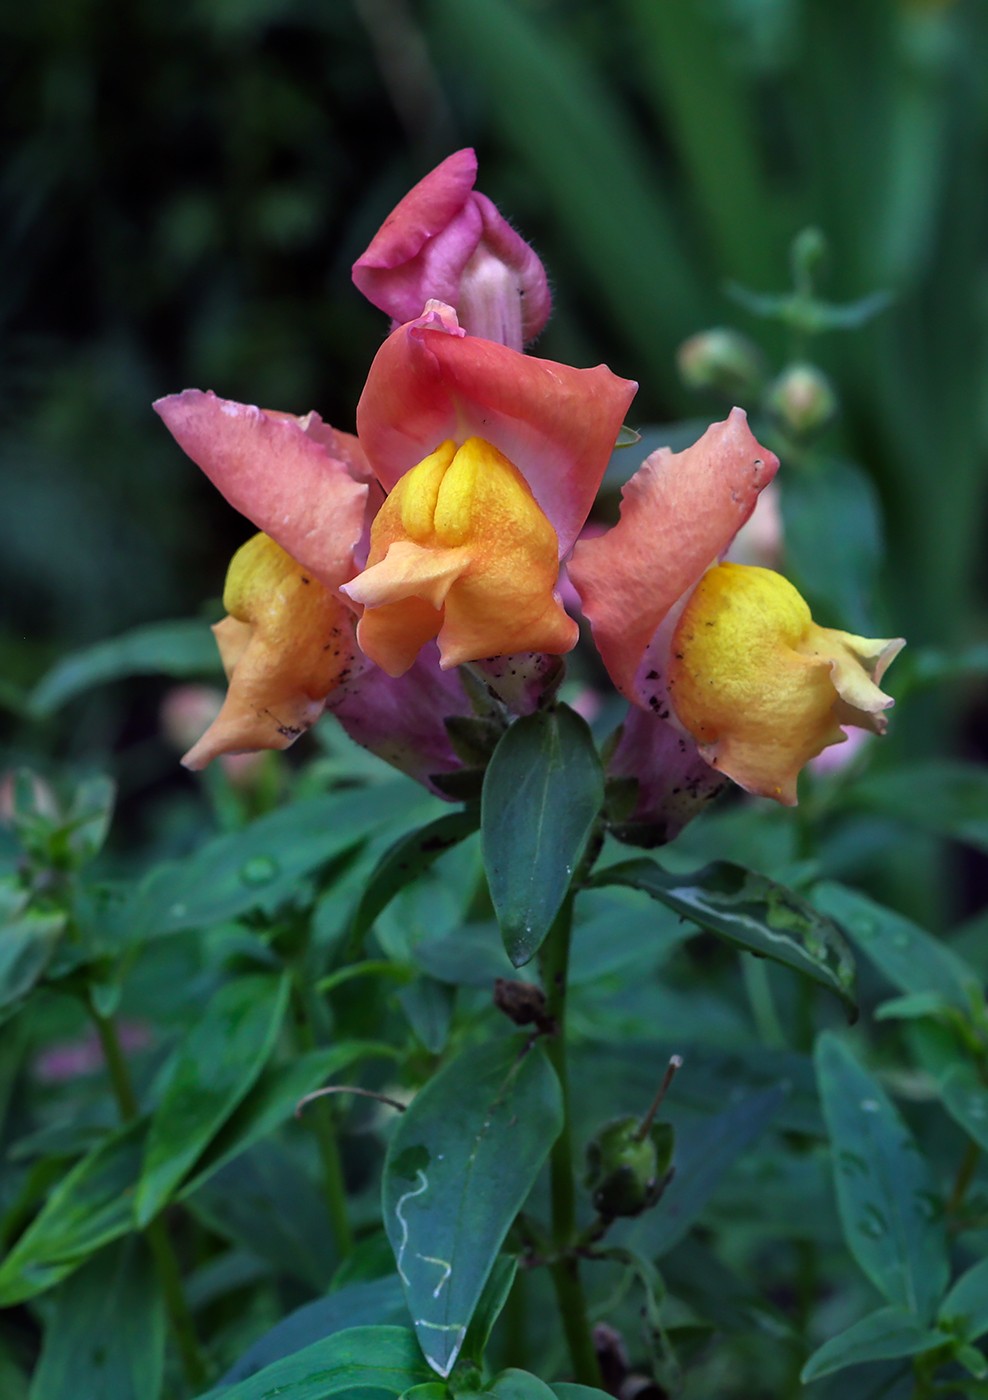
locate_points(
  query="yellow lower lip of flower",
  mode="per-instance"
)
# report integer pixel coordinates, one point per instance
(461, 551)
(286, 644)
(761, 687)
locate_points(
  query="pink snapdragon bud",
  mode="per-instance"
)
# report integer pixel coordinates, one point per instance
(444, 241)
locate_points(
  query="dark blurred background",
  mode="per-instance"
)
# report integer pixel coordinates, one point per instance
(185, 186)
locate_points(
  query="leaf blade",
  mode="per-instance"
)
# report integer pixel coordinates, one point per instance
(542, 791)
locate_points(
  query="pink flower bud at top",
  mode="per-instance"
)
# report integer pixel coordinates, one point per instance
(802, 399)
(446, 242)
(723, 360)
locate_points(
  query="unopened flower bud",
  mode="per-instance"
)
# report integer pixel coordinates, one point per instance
(802, 399)
(723, 360)
(627, 1173)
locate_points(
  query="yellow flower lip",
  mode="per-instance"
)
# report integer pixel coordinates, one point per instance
(761, 687)
(285, 645)
(460, 551)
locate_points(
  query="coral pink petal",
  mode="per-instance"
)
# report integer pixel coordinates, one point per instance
(280, 472)
(556, 424)
(680, 512)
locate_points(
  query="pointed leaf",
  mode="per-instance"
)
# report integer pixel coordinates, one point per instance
(912, 959)
(26, 947)
(964, 1311)
(949, 799)
(217, 1065)
(881, 1336)
(459, 1168)
(93, 1205)
(516, 1385)
(161, 648)
(965, 1098)
(750, 911)
(408, 858)
(362, 1361)
(891, 1215)
(356, 1305)
(274, 1099)
(261, 865)
(542, 792)
(105, 1338)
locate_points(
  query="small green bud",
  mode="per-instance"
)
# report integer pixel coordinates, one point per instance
(627, 1174)
(803, 400)
(723, 360)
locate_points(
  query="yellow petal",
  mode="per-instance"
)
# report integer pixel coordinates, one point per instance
(761, 687)
(287, 643)
(461, 551)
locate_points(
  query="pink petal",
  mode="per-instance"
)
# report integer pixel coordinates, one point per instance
(402, 720)
(556, 424)
(294, 478)
(423, 213)
(423, 248)
(679, 513)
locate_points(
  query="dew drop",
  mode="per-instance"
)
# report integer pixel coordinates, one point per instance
(259, 870)
(901, 939)
(177, 911)
(874, 1224)
(870, 1105)
(976, 1106)
(865, 926)
(851, 1164)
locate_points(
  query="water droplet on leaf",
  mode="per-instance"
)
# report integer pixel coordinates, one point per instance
(259, 870)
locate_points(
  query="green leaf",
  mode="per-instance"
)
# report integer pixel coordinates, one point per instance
(459, 1167)
(566, 1390)
(517, 1385)
(92, 1206)
(964, 1311)
(750, 912)
(489, 1309)
(262, 864)
(105, 1337)
(881, 1336)
(406, 860)
(26, 946)
(965, 1098)
(267, 1201)
(161, 648)
(357, 1305)
(833, 541)
(912, 960)
(216, 1065)
(362, 1361)
(890, 1213)
(542, 792)
(704, 1152)
(428, 1006)
(273, 1100)
(948, 799)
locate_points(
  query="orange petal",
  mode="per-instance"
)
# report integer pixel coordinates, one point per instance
(462, 537)
(679, 513)
(286, 645)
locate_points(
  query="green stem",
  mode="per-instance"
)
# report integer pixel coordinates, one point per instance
(156, 1234)
(965, 1172)
(554, 960)
(320, 1116)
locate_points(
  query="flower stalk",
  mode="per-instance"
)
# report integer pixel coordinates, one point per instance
(554, 962)
(156, 1233)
